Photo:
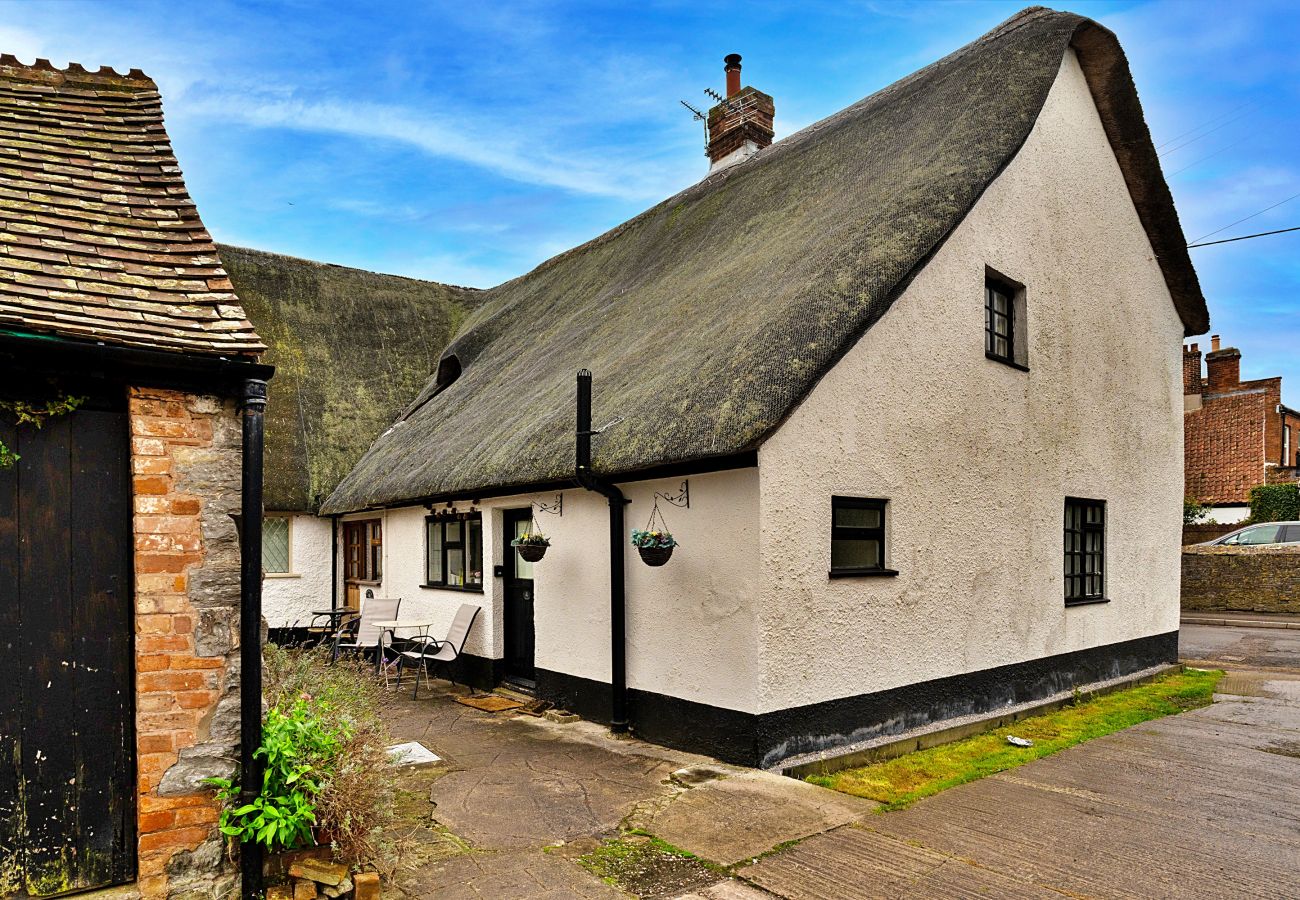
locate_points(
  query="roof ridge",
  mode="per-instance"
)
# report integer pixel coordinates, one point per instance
(330, 265)
(43, 70)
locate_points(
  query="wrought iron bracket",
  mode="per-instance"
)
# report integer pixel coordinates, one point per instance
(555, 509)
(681, 499)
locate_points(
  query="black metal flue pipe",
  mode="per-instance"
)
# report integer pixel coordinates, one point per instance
(617, 589)
(252, 408)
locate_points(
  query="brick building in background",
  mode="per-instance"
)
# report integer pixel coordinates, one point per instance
(1237, 434)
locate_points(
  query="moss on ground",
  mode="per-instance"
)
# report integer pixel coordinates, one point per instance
(646, 867)
(896, 783)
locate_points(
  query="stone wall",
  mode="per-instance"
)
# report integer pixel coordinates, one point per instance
(1253, 579)
(185, 459)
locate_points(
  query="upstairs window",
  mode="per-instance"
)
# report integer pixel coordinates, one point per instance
(454, 551)
(1085, 551)
(858, 537)
(1004, 322)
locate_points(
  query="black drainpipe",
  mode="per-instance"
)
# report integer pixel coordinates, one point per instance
(253, 405)
(334, 562)
(617, 592)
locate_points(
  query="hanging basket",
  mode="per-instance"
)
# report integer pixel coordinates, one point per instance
(655, 556)
(531, 552)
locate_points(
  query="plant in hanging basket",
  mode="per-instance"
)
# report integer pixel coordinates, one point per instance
(531, 545)
(655, 547)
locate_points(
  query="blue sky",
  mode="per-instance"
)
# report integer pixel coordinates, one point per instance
(467, 141)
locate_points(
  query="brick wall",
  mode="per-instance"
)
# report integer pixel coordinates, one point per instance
(1223, 445)
(1253, 579)
(185, 459)
(1206, 531)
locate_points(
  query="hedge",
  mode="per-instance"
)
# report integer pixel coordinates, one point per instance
(1275, 503)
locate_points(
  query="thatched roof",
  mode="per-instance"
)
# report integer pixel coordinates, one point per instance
(350, 349)
(709, 317)
(99, 239)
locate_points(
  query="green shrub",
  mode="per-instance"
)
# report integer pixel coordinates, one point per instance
(1274, 502)
(1194, 511)
(324, 745)
(298, 751)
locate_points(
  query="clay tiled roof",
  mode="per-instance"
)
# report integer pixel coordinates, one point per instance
(99, 238)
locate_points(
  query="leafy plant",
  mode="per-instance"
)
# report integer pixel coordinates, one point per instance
(652, 540)
(1194, 511)
(298, 751)
(34, 414)
(531, 539)
(354, 805)
(1275, 502)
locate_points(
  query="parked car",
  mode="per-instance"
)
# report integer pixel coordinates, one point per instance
(1255, 535)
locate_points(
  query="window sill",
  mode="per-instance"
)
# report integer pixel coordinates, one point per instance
(467, 589)
(1087, 601)
(1006, 362)
(283, 574)
(861, 573)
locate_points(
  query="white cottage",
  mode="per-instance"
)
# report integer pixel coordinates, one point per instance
(917, 367)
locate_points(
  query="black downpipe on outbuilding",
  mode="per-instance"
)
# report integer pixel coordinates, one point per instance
(252, 408)
(617, 591)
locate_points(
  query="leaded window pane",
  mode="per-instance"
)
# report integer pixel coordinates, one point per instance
(275, 544)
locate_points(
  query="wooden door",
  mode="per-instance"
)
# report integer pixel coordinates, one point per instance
(67, 740)
(520, 635)
(363, 553)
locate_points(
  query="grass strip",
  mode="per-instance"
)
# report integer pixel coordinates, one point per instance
(898, 782)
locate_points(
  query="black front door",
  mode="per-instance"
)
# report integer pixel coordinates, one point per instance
(519, 603)
(67, 742)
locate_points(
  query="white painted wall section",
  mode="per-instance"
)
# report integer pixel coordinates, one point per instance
(287, 600)
(976, 457)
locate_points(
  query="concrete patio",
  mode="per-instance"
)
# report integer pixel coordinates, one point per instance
(1196, 805)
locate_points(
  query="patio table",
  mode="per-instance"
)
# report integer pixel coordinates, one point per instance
(391, 626)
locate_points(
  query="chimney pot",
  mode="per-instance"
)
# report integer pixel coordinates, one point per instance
(732, 68)
(1196, 348)
(1214, 342)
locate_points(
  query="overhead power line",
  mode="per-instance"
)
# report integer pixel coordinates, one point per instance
(1210, 121)
(1197, 162)
(1246, 219)
(1204, 135)
(1244, 237)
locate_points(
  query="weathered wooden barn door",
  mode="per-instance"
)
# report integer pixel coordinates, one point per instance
(67, 756)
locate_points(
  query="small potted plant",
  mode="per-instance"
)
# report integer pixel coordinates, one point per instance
(531, 545)
(655, 547)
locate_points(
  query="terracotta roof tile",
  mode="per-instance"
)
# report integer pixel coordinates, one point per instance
(99, 238)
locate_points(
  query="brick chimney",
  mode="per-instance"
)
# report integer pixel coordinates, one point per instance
(1223, 368)
(1192, 369)
(741, 124)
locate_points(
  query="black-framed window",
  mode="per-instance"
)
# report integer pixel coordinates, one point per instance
(1085, 551)
(453, 551)
(999, 320)
(858, 537)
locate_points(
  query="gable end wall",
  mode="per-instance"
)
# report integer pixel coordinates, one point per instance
(977, 457)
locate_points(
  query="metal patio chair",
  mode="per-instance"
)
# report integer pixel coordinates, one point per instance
(425, 649)
(360, 633)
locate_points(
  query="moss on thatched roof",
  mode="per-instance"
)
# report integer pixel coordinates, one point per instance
(709, 317)
(350, 349)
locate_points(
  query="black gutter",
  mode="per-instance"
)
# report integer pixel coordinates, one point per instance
(617, 591)
(252, 408)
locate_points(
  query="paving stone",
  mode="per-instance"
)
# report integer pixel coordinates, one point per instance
(729, 820)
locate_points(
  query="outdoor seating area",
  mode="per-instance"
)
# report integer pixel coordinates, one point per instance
(376, 631)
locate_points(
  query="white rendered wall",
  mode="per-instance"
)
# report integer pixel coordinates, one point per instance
(1228, 515)
(690, 623)
(976, 457)
(287, 600)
